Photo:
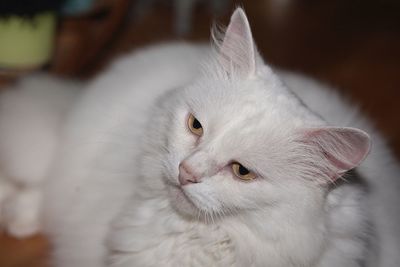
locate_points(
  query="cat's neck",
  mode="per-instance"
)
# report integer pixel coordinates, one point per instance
(277, 236)
(273, 235)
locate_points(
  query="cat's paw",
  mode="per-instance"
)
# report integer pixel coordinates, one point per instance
(21, 213)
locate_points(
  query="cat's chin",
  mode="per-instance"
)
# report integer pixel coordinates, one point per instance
(181, 202)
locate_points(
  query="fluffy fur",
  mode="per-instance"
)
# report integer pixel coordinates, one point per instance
(112, 193)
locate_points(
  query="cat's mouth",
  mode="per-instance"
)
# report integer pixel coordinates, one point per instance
(181, 201)
(184, 195)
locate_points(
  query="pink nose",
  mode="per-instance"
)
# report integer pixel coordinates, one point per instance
(186, 175)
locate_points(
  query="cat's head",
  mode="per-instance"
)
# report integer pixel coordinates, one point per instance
(240, 141)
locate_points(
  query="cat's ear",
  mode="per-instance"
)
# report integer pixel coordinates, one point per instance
(237, 51)
(339, 149)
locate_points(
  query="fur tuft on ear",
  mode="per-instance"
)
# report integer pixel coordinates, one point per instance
(338, 149)
(237, 52)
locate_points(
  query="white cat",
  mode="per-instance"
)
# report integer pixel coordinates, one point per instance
(183, 156)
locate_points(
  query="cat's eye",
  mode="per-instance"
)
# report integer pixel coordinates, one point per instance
(242, 172)
(195, 126)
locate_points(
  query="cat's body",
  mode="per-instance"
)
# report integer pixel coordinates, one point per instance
(113, 196)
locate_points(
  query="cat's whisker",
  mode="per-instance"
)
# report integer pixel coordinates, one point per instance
(198, 214)
(205, 216)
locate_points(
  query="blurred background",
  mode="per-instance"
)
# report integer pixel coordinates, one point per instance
(353, 45)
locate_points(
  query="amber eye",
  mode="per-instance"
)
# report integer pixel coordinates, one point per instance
(242, 172)
(195, 126)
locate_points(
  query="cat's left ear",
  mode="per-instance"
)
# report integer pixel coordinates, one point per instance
(339, 149)
(238, 53)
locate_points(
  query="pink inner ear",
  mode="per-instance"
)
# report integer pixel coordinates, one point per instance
(345, 148)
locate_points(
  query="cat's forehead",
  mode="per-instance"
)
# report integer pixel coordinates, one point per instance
(256, 102)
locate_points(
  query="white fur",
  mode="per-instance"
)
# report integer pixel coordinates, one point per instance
(113, 197)
(31, 114)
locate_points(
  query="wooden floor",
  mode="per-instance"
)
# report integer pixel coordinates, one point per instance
(354, 45)
(31, 252)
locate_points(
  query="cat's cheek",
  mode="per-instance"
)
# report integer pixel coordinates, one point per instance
(239, 195)
(171, 168)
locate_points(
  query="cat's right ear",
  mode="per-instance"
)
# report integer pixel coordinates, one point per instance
(336, 149)
(237, 51)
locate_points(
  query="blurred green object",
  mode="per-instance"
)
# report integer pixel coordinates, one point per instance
(26, 42)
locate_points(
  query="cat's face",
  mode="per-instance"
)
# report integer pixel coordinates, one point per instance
(239, 141)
